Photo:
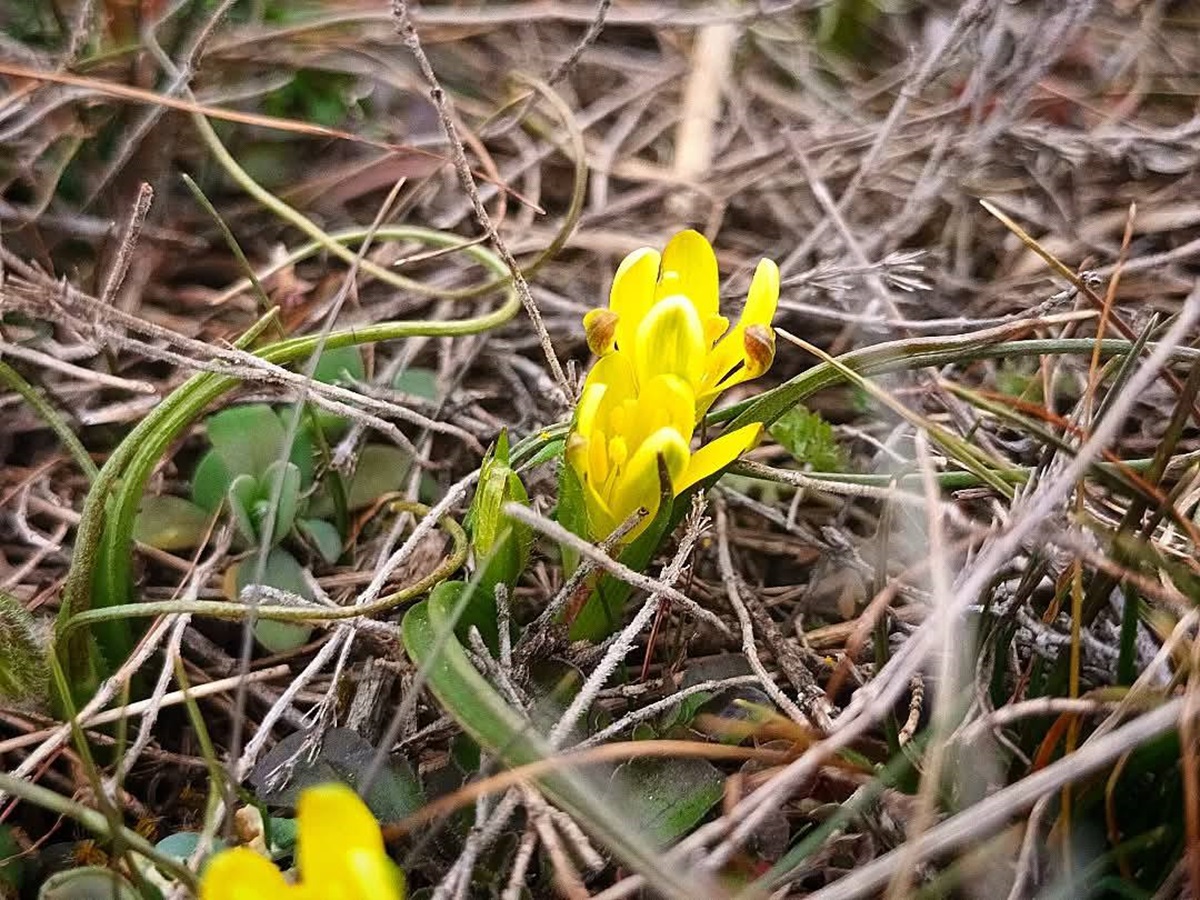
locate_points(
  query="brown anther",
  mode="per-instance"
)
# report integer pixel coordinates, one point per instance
(600, 326)
(759, 344)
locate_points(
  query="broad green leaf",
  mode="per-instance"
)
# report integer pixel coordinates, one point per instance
(667, 797)
(323, 536)
(339, 365)
(88, 883)
(171, 523)
(809, 439)
(282, 572)
(302, 444)
(418, 383)
(341, 755)
(23, 677)
(182, 844)
(246, 438)
(381, 469)
(210, 482)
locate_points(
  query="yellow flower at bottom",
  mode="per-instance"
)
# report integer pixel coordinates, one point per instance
(339, 854)
(241, 874)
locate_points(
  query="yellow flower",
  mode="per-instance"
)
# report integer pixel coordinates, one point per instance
(663, 311)
(622, 427)
(339, 854)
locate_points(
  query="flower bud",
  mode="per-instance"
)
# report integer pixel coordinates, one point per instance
(494, 535)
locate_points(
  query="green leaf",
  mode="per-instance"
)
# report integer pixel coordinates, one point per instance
(323, 536)
(381, 469)
(282, 572)
(571, 512)
(302, 444)
(502, 731)
(88, 883)
(418, 383)
(23, 677)
(548, 452)
(340, 365)
(242, 495)
(246, 438)
(182, 844)
(499, 544)
(210, 482)
(289, 497)
(341, 755)
(809, 439)
(171, 523)
(668, 797)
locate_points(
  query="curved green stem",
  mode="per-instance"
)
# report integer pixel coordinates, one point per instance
(916, 353)
(220, 609)
(100, 570)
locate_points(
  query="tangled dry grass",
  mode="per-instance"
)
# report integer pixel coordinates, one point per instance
(972, 621)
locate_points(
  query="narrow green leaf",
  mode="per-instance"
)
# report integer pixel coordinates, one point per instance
(289, 497)
(427, 631)
(242, 495)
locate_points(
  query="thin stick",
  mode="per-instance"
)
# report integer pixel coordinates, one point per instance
(409, 33)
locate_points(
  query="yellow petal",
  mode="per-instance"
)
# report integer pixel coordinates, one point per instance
(587, 411)
(716, 455)
(714, 328)
(639, 484)
(600, 520)
(763, 298)
(632, 292)
(691, 259)
(242, 874)
(670, 341)
(731, 350)
(340, 848)
(615, 373)
(666, 401)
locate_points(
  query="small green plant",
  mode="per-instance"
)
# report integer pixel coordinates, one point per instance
(275, 499)
(809, 439)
